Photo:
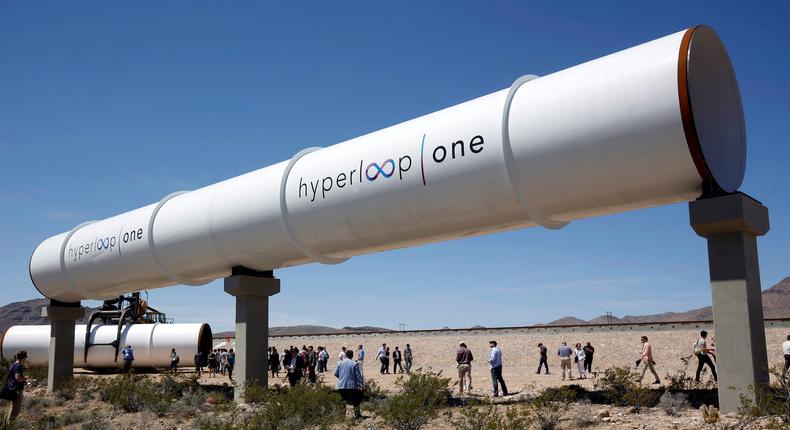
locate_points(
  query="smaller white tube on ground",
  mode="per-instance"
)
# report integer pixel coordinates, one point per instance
(151, 343)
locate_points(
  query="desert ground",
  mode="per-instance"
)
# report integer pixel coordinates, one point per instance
(615, 347)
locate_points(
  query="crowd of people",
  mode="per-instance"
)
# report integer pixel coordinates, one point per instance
(307, 362)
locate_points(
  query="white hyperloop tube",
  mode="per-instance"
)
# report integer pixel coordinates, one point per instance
(654, 124)
(151, 344)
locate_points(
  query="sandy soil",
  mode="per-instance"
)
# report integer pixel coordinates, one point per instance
(437, 352)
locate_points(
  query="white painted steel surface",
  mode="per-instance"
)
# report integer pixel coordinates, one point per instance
(637, 128)
(151, 344)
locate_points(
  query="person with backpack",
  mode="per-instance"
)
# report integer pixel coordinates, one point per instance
(128, 358)
(14, 387)
(703, 352)
(174, 361)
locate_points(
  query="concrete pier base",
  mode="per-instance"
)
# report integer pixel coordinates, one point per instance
(252, 290)
(63, 316)
(731, 224)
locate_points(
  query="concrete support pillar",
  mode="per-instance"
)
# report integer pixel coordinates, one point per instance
(252, 290)
(731, 224)
(62, 317)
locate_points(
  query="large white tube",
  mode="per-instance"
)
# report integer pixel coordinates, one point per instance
(151, 344)
(646, 126)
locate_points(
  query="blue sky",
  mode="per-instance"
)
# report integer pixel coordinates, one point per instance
(106, 107)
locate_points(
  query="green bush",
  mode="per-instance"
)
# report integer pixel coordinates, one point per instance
(421, 396)
(254, 392)
(478, 418)
(615, 383)
(639, 398)
(134, 393)
(95, 422)
(300, 407)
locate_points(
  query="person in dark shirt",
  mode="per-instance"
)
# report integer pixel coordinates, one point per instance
(198, 364)
(397, 358)
(295, 367)
(543, 358)
(588, 357)
(15, 384)
(464, 359)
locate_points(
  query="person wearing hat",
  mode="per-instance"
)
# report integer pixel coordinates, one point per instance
(464, 359)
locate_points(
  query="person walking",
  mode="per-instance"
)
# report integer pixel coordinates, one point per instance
(198, 363)
(387, 361)
(312, 361)
(579, 359)
(397, 358)
(588, 357)
(323, 359)
(361, 359)
(786, 352)
(543, 358)
(646, 361)
(382, 356)
(174, 360)
(350, 382)
(14, 387)
(274, 362)
(342, 355)
(295, 367)
(223, 361)
(565, 352)
(212, 363)
(703, 353)
(495, 363)
(408, 356)
(231, 363)
(464, 359)
(128, 358)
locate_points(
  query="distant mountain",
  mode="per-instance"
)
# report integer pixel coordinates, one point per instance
(568, 321)
(311, 330)
(29, 313)
(776, 304)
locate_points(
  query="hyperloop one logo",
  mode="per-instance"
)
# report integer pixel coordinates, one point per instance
(380, 170)
(396, 168)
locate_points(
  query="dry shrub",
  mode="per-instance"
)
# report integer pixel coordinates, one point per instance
(422, 395)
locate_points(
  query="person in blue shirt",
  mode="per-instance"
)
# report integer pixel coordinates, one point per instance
(15, 385)
(495, 363)
(128, 358)
(361, 359)
(350, 382)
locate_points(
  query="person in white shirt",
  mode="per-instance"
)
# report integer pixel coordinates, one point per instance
(701, 350)
(786, 352)
(361, 359)
(580, 356)
(495, 363)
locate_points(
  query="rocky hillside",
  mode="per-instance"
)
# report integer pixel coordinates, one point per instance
(776, 304)
(27, 312)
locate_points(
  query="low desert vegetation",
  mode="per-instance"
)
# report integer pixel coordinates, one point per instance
(419, 400)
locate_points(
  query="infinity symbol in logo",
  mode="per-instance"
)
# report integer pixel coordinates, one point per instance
(380, 170)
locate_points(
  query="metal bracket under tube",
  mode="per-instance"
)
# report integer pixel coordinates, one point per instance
(510, 161)
(285, 217)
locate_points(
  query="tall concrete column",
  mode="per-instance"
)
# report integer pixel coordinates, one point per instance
(252, 290)
(731, 224)
(62, 317)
